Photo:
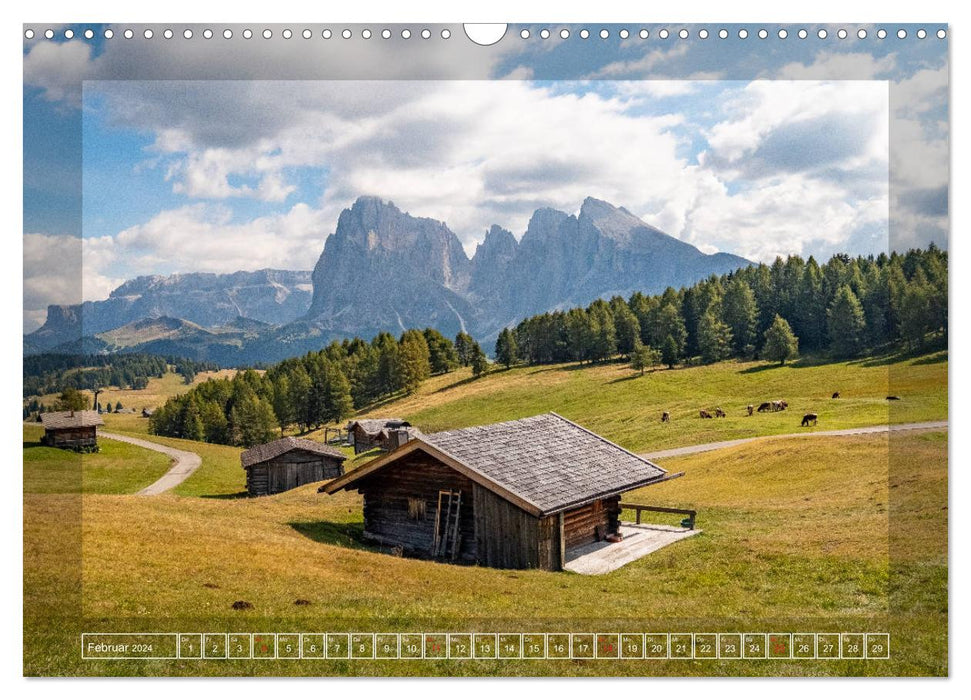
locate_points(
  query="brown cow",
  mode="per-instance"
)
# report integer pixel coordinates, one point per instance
(665, 417)
(719, 413)
(809, 418)
(836, 394)
(751, 409)
(704, 414)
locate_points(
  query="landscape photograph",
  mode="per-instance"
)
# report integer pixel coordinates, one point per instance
(604, 376)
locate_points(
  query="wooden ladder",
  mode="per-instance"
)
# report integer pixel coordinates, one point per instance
(447, 518)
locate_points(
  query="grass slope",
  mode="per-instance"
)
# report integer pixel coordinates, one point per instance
(621, 405)
(795, 538)
(117, 468)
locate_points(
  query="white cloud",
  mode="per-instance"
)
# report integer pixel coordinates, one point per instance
(476, 153)
(837, 65)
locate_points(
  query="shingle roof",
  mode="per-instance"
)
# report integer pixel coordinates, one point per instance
(373, 426)
(546, 461)
(269, 450)
(70, 419)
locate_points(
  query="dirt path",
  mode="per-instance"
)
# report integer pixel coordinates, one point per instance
(708, 446)
(185, 463)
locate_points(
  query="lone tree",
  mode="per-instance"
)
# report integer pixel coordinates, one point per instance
(643, 356)
(507, 352)
(71, 400)
(780, 342)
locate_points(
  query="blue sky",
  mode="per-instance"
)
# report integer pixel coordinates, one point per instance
(759, 147)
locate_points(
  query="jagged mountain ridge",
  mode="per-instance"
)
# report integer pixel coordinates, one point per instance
(205, 299)
(385, 270)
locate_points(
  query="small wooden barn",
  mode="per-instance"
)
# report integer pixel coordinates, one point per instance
(513, 495)
(385, 433)
(72, 430)
(287, 463)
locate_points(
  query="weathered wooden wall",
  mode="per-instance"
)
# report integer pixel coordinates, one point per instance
(290, 470)
(417, 475)
(71, 438)
(510, 538)
(592, 522)
(363, 442)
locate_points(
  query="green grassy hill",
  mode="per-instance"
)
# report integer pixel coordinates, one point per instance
(816, 534)
(625, 407)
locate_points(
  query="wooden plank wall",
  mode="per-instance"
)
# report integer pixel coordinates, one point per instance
(510, 538)
(417, 475)
(290, 470)
(592, 522)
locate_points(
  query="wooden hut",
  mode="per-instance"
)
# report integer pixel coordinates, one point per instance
(287, 463)
(385, 433)
(72, 430)
(511, 495)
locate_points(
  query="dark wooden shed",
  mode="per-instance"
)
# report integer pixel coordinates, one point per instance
(386, 433)
(287, 463)
(72, 430)
(512, 495)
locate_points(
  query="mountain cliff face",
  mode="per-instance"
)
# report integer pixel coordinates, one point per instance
(209, 300)
(385, 270)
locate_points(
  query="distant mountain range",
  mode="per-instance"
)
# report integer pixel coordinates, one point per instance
(385, 270)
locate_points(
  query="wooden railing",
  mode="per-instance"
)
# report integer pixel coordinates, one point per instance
(638, 509)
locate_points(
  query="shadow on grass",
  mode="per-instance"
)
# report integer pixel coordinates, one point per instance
(32, 444)
(341, 534)
(226, 496)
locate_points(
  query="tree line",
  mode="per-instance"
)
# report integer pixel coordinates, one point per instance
(51, 373)
(844, 308)
(321, 387)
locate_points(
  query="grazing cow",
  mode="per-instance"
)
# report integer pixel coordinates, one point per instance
(893, 398)
(750, 408)
(665, 417)
(704, 414)
(765, 406)
(836, 394)
(809, 418)
(719, 413)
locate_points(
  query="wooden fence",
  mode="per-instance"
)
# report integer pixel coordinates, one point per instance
(638, 509)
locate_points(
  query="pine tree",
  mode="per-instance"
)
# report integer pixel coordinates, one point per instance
(413, 365)
(643, 356)
(915, 314)
(670, 324)
(480, 363)
(192, 426)
(340, 405)
(780, 343)
(464, 348)
(441, 352)
(846, 323)
(669, 352)
(714, 338)
(282, 402)
(741, 314)
(626, 324)
(603, 333)
(507, 351)
(71, 400)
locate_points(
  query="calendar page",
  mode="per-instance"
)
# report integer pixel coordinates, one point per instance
(485, 350)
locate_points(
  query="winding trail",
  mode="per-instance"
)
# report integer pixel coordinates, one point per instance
(185, 463)
(868, 430)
